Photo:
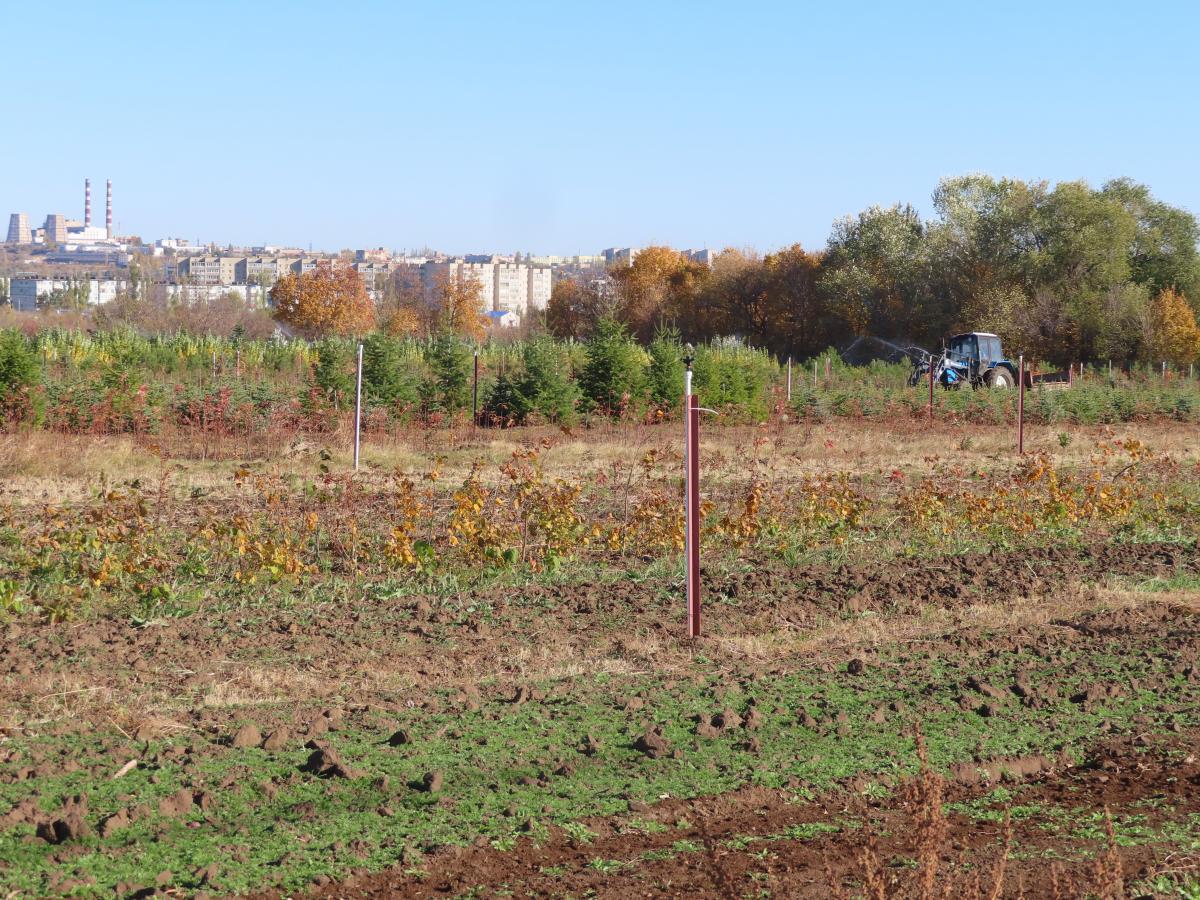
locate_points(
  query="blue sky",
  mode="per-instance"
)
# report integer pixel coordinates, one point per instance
(569, 127)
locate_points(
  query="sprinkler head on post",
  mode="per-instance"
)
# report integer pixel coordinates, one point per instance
(689, 355)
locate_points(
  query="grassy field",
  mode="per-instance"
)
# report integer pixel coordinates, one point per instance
(927, 665)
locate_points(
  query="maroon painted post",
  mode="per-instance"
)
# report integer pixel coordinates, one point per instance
(1021, 405)
(931, 388)
(691, 496)
(693, 524)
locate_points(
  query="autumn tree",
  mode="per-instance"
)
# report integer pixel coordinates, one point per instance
(730, 301)
(459, 307)
(329, 300)
(660, 286)
(404, 309)
(575, 308)
(802, 323)
(1171, 331)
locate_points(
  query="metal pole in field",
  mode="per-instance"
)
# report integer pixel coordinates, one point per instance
(691, 497)
(358, 407)
(1021, 406)
(475, 393)
(1164, 372)
(931, 388)
(789, 379)
(814, 374)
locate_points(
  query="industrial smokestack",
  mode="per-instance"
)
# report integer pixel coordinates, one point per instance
(87, 203)
(108, 209)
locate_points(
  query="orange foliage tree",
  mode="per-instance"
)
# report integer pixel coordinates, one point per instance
(460, 307)
(660, 286)
(1171, 331)
(329, 300)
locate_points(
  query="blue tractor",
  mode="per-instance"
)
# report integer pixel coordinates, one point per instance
(975, 359)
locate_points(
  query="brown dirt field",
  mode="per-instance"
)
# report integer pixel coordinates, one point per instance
(372, 645)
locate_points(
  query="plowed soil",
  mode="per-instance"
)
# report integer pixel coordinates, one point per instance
(547, 740)
(425, 640)
(730, 833)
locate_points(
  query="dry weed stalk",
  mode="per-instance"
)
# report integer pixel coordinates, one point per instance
(924, 795)
(1108, 876)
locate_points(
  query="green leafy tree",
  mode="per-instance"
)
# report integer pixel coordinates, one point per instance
(20, 371)
(545, 385)
(334, 370)
(19, 364)
(878, 273)
(664, 377)
(448, 388)
(1163, 253)
(505, 404)
(389, 374)
(613, 374)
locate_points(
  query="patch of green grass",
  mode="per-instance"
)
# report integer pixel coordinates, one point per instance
(1174, 885)
(607, 866)
(806, 831)
(644, 826)
(579, 832)
(1181, 582)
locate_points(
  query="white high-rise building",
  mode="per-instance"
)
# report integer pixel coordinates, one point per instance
(504, 285)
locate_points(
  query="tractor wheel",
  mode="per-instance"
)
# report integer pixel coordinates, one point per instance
(1001, 379)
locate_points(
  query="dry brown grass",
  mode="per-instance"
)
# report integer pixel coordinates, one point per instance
(40, 467)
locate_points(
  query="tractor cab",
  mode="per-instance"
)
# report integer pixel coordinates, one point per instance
(979, 350)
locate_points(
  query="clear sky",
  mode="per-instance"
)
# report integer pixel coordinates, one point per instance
(568, 127)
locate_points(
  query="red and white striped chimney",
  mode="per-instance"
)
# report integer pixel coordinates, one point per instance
(87, 203)
(108, 208)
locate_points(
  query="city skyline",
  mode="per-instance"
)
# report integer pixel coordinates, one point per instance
(531, 128)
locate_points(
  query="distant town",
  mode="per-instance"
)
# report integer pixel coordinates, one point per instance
(92, 264)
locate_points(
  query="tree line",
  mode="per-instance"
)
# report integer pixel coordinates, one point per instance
(1063, 273)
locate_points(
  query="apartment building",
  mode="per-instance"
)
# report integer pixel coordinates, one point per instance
(29, 293)
(201, 269)
(541, 283)
(229, 270)
(505, 285)
(373, 273)
(258, 269)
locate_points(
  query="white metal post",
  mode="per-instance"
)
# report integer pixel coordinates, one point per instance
(789, 379)
(358, 407)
